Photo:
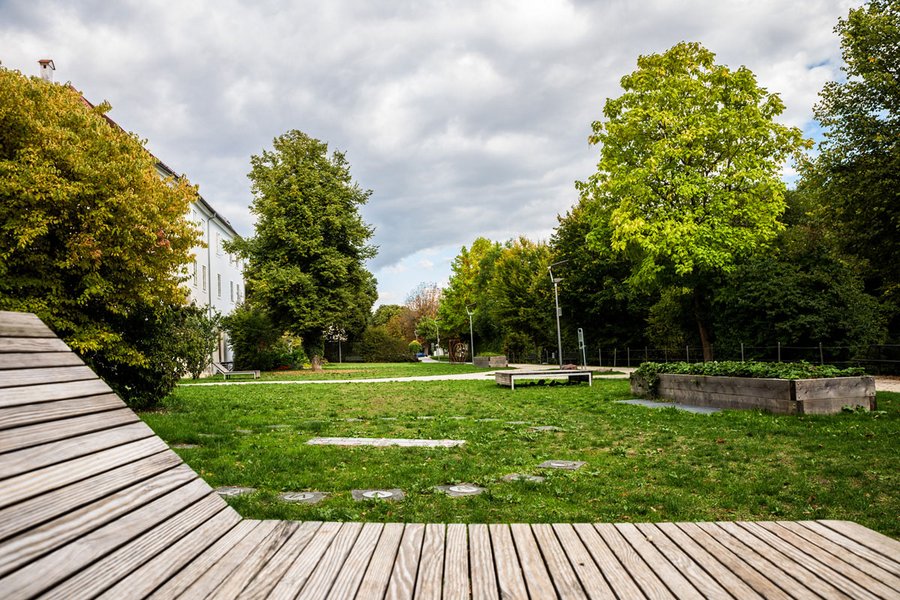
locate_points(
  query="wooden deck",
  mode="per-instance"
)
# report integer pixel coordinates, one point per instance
(93, 504)
(508, 378)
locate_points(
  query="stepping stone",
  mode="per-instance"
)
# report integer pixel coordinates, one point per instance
(486, 420)
(208, 435)
(545, 428)
(523, 477)
(184, 446)
(388, 495)
(458, 418)
(280, 426)
(517, 422)
(569, 465)
(354, 420)
(303, 497)
(699, 410)
(244, 431)
(382, 442)
(460, 490)
(387, 418)
(425, 418)
(233, 491)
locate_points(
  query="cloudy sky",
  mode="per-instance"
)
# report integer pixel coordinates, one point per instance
(465, 118)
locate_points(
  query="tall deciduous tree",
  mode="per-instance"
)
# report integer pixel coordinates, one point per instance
(857, 173)
(470, 280)
(691, 158)
(306, 259)
(91, 239)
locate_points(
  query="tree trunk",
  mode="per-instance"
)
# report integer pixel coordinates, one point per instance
(702, 317)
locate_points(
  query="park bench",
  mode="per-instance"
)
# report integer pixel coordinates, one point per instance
(508, 378)
(94, 504)
(226, 372)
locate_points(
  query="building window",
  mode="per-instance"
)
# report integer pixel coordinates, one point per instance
(231, 284)
(204, 278)
(218, 244)
(219, 285)
(238, 292)
(195, 273)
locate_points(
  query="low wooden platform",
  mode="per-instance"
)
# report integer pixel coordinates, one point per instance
(93, 504)
(508, 378)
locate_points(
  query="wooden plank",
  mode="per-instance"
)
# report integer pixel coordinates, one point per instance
(34, 394)
(677, 583)
(256, 561)
(23, 377)
(431, 564)
(616, 575)
(537, 579)
(815, 563)
(644, 575)
(375, 581)
(40, 509)
(30, 544)
(792, 578)
(43, 573)
(403, 578)
(585, 568)
(484, 576)
(564, 578)
(32, 435)
(268, 577)
(509, 574)
(735, 386)
(456, 563)
(733, 556)
(722, 566)
(298, 573)
(30, 360)
(21, 344)
(876, 566)
(834, 387)
(322, 577)
(103, 574)
(29, 459)
(146, 577)
(219, 571)
(348, 579)
(26, 485)
(200, 564)
(32, 414)
(840, 563)
(882, 544)
(22, 324)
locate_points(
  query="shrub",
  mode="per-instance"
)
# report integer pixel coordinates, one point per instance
(378, 345)
(415, 347)
(258, 343)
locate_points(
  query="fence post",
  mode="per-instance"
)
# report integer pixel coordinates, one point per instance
(645, 354)
(615, 357)
(821, 355)
(628, 350)
(742, 351)
(712, 351)
(600, 352)
(666, 354)
(779, 351)
(687, 354)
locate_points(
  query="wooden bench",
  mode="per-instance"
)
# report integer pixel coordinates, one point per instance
(94, 504)
(508, 378)
(220, 368)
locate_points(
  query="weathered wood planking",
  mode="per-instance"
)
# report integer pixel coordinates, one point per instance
(29, 414)
(23, 325)
(31, 360)
(35, 394)
(23, 377)
(51, 431)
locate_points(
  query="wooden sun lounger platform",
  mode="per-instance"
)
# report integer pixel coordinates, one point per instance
(94, 504)
(508, 378)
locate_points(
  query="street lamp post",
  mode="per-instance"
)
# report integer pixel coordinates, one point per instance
(437, 332)
(556, 281)
(471, 335)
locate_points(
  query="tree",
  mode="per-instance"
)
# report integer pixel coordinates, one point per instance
(690, 162)
(469, 286)
(306, 261)
(198, 337)
(91, 239)
(857, 173)
(424, 300)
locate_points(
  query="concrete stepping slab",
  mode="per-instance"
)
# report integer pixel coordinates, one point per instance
(382, 442)
(545, 428)
(244, 431)
(389, 495)
(425, 418)
(387, 418)
(568, 465)
(184, 446)
(517, 422)
(354, 420)
(461, 489)
(303, 497)
(486, 420)
(278, 426)
(458, 418)
(229, 491)
(523, 477)
(699, 410)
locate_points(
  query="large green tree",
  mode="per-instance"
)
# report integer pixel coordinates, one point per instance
(306, 260)
(857, 172)
(691, 158)
(469, 288)
(91, 239)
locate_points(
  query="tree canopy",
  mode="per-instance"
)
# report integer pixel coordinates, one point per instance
(306, 260)
(690, 165)
(92, 240)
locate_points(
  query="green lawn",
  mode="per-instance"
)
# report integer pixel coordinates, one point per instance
(642, 464)
(359, 371)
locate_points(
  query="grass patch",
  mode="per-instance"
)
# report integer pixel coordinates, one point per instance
(642, 464)
(358, 371)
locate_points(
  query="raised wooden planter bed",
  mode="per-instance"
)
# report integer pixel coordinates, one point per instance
(781, 396)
